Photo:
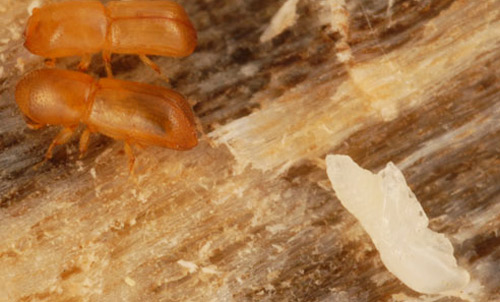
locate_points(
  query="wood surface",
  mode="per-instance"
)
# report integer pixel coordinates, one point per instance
(249, 214)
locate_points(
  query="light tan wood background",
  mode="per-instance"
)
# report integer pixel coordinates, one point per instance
(249, 215)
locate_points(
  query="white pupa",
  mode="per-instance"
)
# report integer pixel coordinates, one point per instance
(392, 216)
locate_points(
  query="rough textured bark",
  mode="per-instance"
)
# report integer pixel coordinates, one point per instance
(249, 214)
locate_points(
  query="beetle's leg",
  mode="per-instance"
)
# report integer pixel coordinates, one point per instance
(31, 123)
(141, 147)
(84, 141)
(131, 157)
(34, 126)
(150, 63)
(106, 56)
(50, 62)
(85, 62)
(62, 138)
(203, 135)
(153, 65)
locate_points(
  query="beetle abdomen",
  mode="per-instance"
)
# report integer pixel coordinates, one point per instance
(142, 114)
(150, 27)
(52, 96)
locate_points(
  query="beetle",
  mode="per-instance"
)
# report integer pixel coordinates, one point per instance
(82, 28)
(136, 113)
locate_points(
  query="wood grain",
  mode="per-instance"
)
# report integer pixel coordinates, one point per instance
(249, 214)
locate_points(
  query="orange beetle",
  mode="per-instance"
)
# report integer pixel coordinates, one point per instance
(135, 113)
(81, 28)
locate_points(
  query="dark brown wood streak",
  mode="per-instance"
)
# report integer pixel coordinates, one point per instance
(249, 214)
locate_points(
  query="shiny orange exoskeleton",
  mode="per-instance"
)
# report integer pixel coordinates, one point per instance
(82, 28)
(136, 113)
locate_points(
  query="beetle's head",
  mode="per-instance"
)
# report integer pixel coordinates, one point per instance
(40, 32)
(22, 98)
(32, 31)
(53, 96)
(41, 100)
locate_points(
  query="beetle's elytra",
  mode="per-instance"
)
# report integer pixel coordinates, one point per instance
(136, 113)
(81, 28)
